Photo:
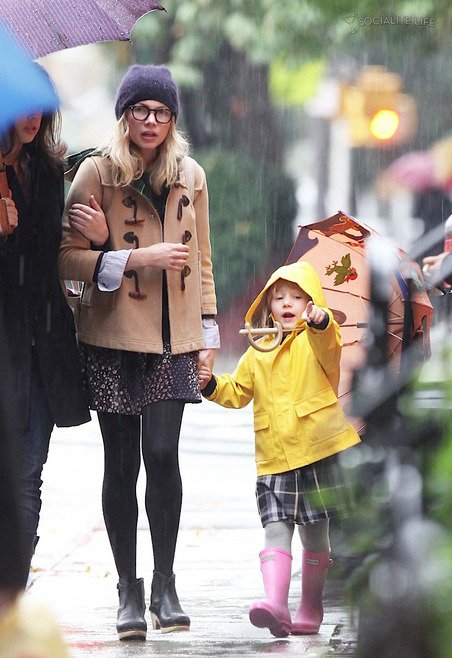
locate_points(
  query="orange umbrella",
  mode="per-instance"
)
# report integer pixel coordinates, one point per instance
(336, 248)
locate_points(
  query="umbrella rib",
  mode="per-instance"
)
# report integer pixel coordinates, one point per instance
(353, 324)
(345, 292)
(356, 250)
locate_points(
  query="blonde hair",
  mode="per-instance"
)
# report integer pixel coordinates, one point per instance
(262, 316)
(128, 165)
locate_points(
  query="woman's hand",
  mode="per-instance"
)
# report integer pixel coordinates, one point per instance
(164, 255)
(313, 313)
(90, 221)
(11, 212)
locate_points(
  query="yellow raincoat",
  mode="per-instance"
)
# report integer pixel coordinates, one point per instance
(297, 417)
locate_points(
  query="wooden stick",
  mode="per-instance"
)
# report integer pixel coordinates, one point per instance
(259, 331)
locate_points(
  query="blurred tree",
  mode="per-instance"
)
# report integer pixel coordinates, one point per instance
(249, 207)
(223, 54)
(241, 63)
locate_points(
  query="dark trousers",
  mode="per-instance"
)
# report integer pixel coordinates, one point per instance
(160, 430)
(33, 450)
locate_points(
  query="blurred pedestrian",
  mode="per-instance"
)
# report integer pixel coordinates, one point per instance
(28, 630)
(38, 326)
(433, 206)
(145, 319)
(438, 269)
(299, 429)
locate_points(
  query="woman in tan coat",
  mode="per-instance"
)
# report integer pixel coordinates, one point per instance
(136, 232)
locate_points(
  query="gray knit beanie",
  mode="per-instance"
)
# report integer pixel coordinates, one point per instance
(147, 82)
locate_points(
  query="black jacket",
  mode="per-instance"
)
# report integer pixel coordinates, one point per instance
(32, 302)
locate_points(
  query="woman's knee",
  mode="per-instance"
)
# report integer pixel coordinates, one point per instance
(162, 457)
(121, 437)
(160, 435)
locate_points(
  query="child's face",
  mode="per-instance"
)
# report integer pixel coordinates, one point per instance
(288, 301)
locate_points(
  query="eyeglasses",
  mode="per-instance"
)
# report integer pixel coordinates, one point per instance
(141, 113)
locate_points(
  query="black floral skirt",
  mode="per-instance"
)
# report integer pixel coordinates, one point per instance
(124, 382)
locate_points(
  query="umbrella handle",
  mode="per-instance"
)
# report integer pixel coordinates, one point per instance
(249, 332)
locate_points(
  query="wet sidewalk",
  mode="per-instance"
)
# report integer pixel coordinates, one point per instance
(217, 566)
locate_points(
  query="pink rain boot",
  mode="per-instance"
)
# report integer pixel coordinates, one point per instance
(309, 615)
(273, 613)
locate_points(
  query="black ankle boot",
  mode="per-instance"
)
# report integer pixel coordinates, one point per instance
(166, 612)
(131, 622)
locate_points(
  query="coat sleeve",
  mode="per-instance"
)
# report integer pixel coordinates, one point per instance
(327, 346)
(77, 261)
(237, 390)
(201, 205)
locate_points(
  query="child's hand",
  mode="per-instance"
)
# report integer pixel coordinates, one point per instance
(313, 313)
(204, 375)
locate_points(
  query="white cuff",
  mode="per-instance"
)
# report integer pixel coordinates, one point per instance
(211, 333)
(111, 270)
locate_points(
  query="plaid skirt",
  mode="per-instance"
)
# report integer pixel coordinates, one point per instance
(304, 495)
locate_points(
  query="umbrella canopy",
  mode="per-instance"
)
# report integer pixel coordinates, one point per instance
(25, 88)
(414, 171)
(45, 26)
(419, 171)
(336, 247)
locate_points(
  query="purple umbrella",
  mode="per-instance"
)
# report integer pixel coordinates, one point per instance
(44, 26)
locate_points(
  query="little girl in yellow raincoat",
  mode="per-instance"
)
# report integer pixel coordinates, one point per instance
(299, 429)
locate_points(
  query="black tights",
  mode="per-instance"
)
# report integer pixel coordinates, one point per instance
(161, 422)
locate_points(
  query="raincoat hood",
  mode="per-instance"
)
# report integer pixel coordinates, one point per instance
(303, 274)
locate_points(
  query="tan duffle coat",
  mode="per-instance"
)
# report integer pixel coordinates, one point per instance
(115, 319)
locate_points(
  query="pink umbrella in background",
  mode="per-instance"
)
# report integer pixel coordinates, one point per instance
(415, 171)
(420, 170)
(42, 27)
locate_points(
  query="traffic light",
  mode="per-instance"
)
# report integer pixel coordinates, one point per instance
(377, 112)
(384, 124)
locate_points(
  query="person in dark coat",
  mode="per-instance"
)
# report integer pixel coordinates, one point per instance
(46, 384)
(11, 550)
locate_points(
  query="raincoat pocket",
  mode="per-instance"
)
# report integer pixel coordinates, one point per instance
(318, 400)
(324, 423)
(264, 446)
